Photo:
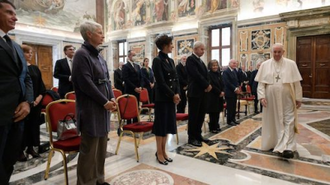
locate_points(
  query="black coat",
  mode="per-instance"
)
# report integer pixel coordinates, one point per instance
(147, 77)
(118, 80)
(131, 77)
(253, 83)
(167, 82)
(197, 77)
(182, 74)
(214, 101)
(62, 73)
(15, 81)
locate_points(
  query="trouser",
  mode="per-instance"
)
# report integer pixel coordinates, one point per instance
(182, 104)
(10, 144)
(214, 120)
(196, 112)
(92, 154)
(231, 108)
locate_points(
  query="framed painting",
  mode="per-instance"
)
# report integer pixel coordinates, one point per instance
(183, 45)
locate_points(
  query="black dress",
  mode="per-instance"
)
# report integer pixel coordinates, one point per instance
(214, 101)
(148, 77)
(32, 123)
(166, 86)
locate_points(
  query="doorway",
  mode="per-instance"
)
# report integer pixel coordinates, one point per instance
(313, 60)
(43, 58)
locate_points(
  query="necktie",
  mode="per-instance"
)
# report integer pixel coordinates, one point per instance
(9, 42)
(70, 62)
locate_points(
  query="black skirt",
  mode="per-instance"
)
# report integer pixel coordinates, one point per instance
(165, 119)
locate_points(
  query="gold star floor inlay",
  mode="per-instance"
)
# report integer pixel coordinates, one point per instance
(211, 150)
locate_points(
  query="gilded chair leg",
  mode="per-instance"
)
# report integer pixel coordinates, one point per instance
(140, 139)
(118, 144)
(65, 168)
(50, 155)
(136, 149)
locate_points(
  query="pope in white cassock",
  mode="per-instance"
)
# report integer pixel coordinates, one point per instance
(280, 92)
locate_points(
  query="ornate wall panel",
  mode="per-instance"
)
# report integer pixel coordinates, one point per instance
(255, 42)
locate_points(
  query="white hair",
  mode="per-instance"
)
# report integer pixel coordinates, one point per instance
(88, 26)
(280, 45)
(198, 44)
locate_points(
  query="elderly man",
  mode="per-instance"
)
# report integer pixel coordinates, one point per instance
(183, 80)
(94, 98)
(198, 87)
(231, 85)
(280, 93)
(16, 95)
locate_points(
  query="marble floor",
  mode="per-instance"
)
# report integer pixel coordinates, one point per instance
(232, 157)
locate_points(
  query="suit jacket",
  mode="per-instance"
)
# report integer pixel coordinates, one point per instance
(147, 78)
(131, 77)
(167, 82)
(15, 81)
(230, 82)
(253, 83)
(197, 76)
(214, 101)
(118, 79)
(182, 74)
(91, 95)
(62, 73)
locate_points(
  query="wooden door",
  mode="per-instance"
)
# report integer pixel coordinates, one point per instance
(313, 60)
(43, 58)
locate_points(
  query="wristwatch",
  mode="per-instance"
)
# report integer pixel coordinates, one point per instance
(31, 104)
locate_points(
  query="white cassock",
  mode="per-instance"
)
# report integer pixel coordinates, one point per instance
(279, 84)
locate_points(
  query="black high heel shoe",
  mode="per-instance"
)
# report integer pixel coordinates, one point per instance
(169, 159)
(161, 162)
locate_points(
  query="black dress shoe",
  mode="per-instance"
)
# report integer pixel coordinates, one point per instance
(104, 183)
(237, 123)
(32, 152)
(195, 142)
(287, 154)
(231, 123)
(219, 129)
(22, 157)
(214, 131)
(205, 140)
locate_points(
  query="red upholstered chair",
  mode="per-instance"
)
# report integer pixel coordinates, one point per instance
(56, 111)
(180, 117)
(144, 98)
(54, 89)
(128, 109)
(248, 98)
(117, 93)
(70, 96)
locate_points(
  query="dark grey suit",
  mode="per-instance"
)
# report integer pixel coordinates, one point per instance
(198, 82)
(15, 87)
(62, 73)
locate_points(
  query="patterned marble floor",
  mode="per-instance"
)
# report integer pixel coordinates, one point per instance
(232, 157)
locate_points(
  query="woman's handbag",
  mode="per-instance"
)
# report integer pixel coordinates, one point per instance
(67, 128)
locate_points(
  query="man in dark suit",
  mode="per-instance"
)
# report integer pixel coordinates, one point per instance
(95, 100)
(183, 80)
(63, 69)
(254, 86)
(243, 78)
(118, 78)
(132, 78)
(231, 86)
(198, 87)
(16, 93)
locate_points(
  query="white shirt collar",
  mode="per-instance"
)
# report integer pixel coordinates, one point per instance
(196, 55)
